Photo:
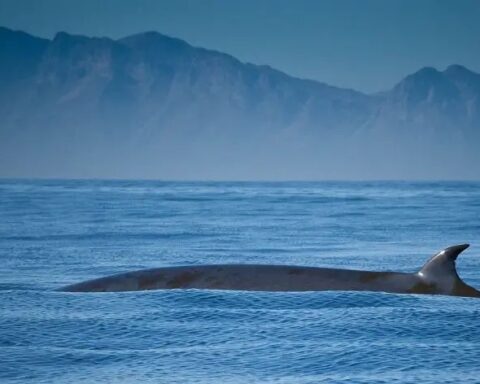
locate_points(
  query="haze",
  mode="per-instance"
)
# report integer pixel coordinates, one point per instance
(118, 95)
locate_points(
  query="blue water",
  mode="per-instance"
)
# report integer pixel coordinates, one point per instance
(53, 233)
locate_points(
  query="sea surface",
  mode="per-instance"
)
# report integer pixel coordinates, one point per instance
(54, 233)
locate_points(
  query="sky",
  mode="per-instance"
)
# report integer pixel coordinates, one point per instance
(366, 45)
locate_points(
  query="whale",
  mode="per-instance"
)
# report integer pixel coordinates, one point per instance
(438, 276)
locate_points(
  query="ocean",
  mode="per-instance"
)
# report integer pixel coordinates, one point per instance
(57, 232)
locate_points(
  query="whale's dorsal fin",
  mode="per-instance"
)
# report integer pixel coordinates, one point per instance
(443, 262)
(441, 270)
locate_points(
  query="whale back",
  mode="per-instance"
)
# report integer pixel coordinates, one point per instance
(440, 274)
(437, 276)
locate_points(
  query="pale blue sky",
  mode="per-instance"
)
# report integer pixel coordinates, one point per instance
(365, 45)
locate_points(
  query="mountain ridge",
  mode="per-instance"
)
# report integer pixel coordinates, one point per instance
(151, 105)
(156, 34)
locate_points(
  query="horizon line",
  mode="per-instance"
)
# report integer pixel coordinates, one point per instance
(270, 181)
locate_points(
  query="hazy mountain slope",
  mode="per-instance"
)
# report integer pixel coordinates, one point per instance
(20, 54)
(153, 106)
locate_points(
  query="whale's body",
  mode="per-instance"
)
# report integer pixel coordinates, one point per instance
(438, 276)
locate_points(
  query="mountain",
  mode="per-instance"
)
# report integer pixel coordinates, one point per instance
(152, 106)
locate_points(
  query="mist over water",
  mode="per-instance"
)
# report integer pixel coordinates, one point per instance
(53, 233)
